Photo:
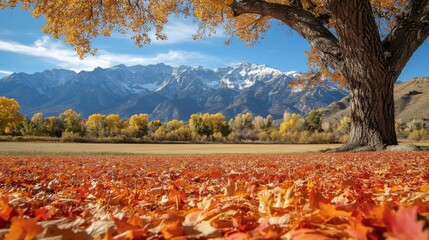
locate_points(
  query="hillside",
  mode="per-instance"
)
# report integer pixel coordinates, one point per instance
(411, 102)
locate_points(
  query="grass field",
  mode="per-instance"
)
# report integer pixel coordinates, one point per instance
(40, 148)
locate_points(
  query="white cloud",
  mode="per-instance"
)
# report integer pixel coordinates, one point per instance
(63, 56)
(4, 72)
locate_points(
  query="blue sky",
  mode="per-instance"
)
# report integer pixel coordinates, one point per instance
(24, 48)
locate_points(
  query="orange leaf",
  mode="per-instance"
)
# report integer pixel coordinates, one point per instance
(403, 224)
(6, 211)
(425, 188)
(24, 229)
(331, 212)
(172, 229)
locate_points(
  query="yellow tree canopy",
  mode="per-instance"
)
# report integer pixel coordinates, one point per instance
(9, 115)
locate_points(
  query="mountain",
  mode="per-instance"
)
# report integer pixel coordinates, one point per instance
(166, 92)
(411, 102)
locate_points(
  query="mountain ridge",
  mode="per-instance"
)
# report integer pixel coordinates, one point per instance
(166, 92)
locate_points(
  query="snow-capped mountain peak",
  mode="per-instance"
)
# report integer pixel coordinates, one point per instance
(245, 75)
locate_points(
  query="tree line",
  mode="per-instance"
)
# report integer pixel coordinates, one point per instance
(293, 128)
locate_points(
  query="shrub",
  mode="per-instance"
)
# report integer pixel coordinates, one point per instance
(72, 137)
(35, 139)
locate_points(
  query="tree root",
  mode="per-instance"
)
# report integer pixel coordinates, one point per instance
(354, 147)
(348, 147)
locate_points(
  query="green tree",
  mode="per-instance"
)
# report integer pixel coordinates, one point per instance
(313, 121)
(209, 124)
(9, 115)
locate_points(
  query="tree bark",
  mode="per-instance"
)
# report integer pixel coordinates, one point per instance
(372, 113)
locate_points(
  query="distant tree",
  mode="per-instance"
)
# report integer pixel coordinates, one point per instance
(242, 122)
(138, 125)
(153, 126)
(39, 126)
(264, 127)
(72, 122)
(313, 121)
(9, 115)
(344, 125)
(96, 125)
(291, 123)
(242, 128)
(209, 124)
(173, 130)
(27, 128)
(53, 126)
(114, 125)
(262, 123)
(419, 134)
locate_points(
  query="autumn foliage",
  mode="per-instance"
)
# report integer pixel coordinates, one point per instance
(296, 196)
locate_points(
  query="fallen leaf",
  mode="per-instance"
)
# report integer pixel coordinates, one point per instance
(26, 229)
(403, 225)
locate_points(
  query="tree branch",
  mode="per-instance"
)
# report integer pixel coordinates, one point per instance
(302, 21)
(410, 31)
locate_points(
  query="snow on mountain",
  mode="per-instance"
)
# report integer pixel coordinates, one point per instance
(162, 90)
(245, 75)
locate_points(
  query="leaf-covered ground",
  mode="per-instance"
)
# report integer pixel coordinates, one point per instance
(296, 196)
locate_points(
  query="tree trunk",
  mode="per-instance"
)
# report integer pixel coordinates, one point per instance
(372, 113)
(368, 74)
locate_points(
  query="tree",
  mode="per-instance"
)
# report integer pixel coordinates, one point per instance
(242, 128)
(9, 115)
(96, 125)
(209, 124)
(313, 121)
(138, 125)
(291, 123)
(153, 126)
(114, 124)
(366, 43)
(173, 130)
(72, 121)
(37, 121)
